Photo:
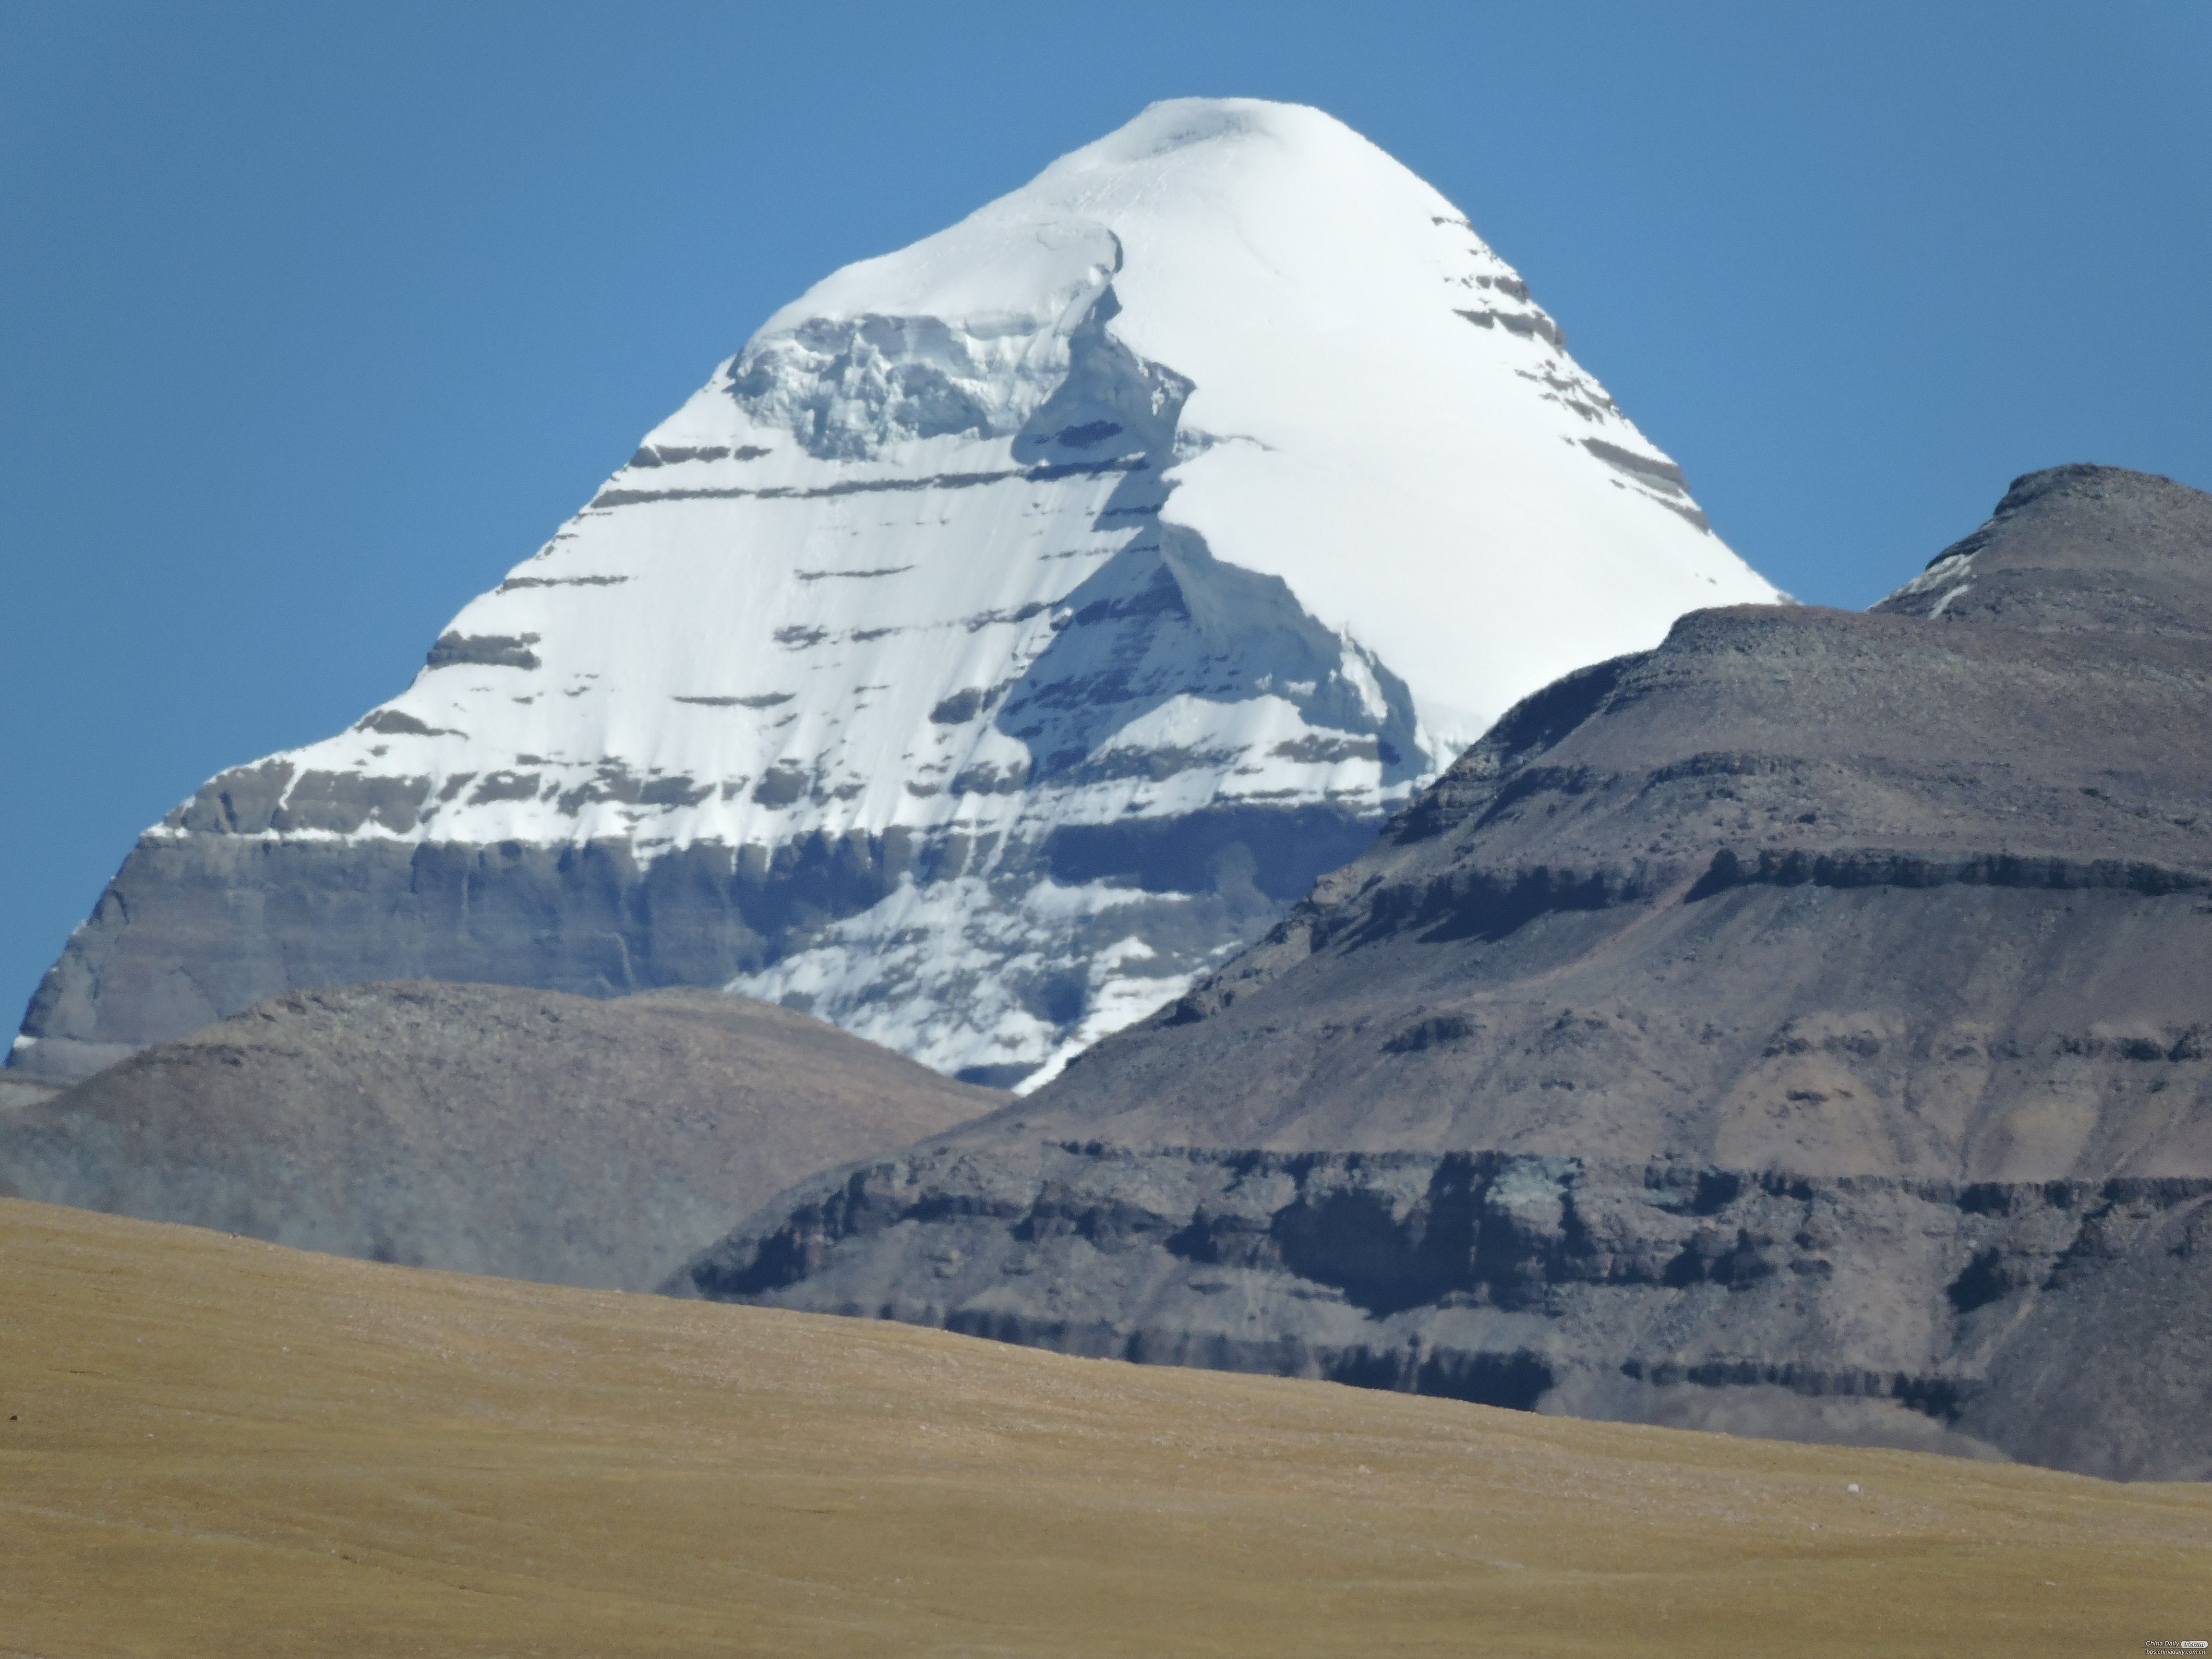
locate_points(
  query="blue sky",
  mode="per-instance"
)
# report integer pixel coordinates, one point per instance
(315, 318)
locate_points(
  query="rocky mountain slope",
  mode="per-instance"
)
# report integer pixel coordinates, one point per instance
(1017, 625)
(22, 1090)
(1812, 1010)
(478, 1128)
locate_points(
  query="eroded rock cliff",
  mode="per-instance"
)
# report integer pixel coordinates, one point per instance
(1801, 1027)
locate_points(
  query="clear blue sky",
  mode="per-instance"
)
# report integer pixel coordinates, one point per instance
(315, 318)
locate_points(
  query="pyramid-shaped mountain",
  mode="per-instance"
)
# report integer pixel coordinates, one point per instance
(1011, 630)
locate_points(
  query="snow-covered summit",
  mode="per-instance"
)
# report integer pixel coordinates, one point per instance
(1086, 577)
(1350, 348)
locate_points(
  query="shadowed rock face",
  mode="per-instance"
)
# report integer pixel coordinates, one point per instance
(478, 1127)
(1825, 906)
(194, 928)
(1927, 1315)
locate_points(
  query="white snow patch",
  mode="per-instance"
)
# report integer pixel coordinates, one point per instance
(1944, 604)
(942, 972)
(1955, 568)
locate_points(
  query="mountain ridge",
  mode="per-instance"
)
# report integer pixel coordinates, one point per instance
(1818, 995)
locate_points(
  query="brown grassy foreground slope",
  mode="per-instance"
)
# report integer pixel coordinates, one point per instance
(216, 1446)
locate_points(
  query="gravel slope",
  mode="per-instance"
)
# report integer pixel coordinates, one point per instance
(478, 1126)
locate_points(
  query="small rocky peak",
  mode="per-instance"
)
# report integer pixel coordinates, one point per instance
(2078, 548)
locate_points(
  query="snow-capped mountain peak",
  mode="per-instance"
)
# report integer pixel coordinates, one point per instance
(1021, 618)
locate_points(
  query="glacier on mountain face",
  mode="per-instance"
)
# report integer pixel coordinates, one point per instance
(1004, 634)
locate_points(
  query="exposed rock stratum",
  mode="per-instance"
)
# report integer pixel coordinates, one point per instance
(1803, 1027)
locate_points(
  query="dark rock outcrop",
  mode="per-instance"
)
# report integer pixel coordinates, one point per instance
(198, 927)
(2059, 1321)
(1890, 930)
(478, 1127)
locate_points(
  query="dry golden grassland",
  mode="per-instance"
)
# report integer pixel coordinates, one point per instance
(213, 1446)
